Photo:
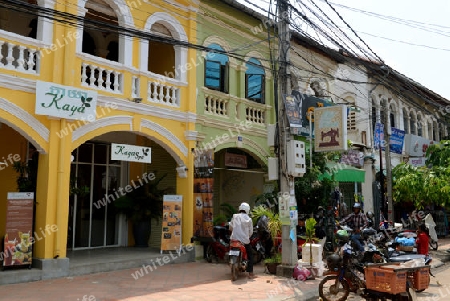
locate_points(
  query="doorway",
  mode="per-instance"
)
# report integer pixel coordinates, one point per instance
(93, 220)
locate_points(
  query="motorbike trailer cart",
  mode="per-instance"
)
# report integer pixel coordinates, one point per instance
(395, 282)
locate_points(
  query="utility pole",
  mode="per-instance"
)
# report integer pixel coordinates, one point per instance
(289, 251)
(387, 154)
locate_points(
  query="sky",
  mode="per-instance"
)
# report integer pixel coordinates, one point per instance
(420, 49)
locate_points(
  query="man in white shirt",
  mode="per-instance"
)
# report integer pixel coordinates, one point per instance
(242, 226)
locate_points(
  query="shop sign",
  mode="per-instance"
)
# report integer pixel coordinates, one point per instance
(330, 128)
(235, 160)
(354, 158)
(417, 162)
(18, 237)
(134, 153)
(416, 146)
(171, 224)
(65, 102)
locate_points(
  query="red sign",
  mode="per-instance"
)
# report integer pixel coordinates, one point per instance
(235, 160)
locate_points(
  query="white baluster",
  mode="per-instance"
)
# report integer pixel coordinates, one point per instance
(108, 80)
(83, 73)
(1, 52)
(167, 96)
(116, 81)
(92, 68)
(173, 96)
(100, 78)
(30, 63)
(133, 86)
(155, 91)
(10, 58)
(161, 93)
(20, 61)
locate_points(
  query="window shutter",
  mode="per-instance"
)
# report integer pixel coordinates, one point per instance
(226, 78)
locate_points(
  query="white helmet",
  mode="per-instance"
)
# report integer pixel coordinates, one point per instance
(245, 207)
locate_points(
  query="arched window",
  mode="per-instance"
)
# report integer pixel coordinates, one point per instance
(435, 127)
(412, 123)
(392, 113)
(21, 22)
(254, 81)
(419, 126)
(216, 69)
(98, 42)
(406, 121)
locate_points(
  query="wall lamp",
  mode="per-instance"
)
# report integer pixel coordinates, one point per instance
(182, 171)
(136, 99)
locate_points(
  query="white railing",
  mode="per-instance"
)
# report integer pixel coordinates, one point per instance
(159, 92)
(255, 115)
(98, 77)
(216, 106)
(18, 57)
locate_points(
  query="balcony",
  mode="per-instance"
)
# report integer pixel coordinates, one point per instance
(19, 53)
(234, 109)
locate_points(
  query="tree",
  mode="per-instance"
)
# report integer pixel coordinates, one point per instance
(425, 185)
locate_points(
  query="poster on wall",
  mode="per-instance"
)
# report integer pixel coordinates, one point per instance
(171, 223)
(18, 238)
(203, 193)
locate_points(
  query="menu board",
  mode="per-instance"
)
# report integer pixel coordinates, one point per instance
(171, 224)
(203, 194)
(19, 226)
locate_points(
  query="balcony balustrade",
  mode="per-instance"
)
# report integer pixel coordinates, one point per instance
(15, 56)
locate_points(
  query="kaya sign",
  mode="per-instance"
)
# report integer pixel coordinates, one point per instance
(135, 153)
(64, 102)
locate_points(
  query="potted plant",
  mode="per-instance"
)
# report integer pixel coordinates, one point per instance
(310, 233)
(141, 205)
(273, 262)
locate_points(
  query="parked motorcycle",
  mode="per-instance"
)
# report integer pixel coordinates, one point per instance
(219, 247)
(430, 224)
(237, 258)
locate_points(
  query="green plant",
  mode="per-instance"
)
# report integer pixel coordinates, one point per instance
(310, 225)
(276, 258)
(143, 203)
(274, 223)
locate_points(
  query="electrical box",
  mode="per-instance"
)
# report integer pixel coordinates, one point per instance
(272, 165)
(271, 128)
(296, 161)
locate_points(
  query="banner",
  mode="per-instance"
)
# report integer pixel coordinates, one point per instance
(300, 109)
(18, 240)
(203, 193)
(330, 129)
(378, 139)
(396, 141)
(171, 224)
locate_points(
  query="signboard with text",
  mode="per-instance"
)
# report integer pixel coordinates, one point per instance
(171, 224)
(18, 240)
(134, 153)
(396, 141)
(330, 128)
(65, 102)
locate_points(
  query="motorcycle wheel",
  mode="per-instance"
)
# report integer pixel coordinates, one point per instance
(234, 271)
(211, 254)
(434, 244)
(257, 256)
(331, 289)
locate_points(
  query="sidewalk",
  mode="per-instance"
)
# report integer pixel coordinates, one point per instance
(191, 281)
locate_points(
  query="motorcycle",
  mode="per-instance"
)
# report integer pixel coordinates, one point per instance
(237, 258)
(430, 224)
(219, 247)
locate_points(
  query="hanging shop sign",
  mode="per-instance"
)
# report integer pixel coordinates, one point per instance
(65, 102)
(396, 141)
(171, 224)
(18, 240)
(353, 158)
(134, 153)
(235, 160)
(330, 128)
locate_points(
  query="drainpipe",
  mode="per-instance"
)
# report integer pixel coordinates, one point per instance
(60, 195)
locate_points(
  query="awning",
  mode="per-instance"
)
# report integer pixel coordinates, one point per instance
(344, 173)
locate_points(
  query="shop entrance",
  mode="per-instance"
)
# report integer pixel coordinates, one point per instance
(93, 220)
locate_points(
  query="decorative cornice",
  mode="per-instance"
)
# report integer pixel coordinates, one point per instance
(145, 123)
(100, 123)
(17, 83)
(191, 135)
(27, 118)
(145, 109)
(23, 40)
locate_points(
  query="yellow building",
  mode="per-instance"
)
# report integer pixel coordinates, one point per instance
(127, 58)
